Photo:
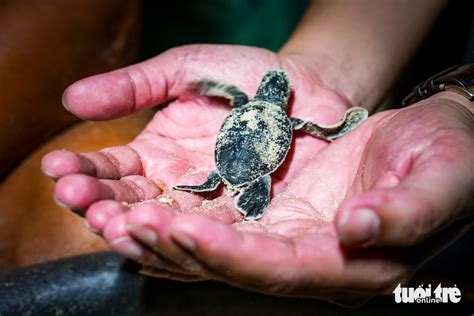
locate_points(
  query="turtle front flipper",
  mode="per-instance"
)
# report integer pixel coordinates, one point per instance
(352, 118)
(210, 88)
(254, 199)
(211, 184)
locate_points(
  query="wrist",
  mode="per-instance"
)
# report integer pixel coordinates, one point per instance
(335, 71)
(359, 48)
(455, 99)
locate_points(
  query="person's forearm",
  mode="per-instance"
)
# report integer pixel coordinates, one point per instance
(359, 47)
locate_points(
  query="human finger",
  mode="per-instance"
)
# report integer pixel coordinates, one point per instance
(109, 163)
(429, 197)
(78, 191)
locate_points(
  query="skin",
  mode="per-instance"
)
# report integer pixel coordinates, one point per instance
(360, 47)
(377, 188)
(27, 211)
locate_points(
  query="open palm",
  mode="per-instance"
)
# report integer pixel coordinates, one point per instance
(295, 248)
(178, 144)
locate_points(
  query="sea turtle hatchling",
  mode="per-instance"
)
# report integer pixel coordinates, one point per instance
(255, 138)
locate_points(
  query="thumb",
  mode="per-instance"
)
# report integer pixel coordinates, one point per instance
(124, 91)
(433, 194)
(143, 85)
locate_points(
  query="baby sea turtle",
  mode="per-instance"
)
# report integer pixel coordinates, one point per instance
(255, 139)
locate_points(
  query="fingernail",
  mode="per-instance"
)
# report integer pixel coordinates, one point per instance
(64, 100)
(154, 273)
(77, 211)
(191, 265)
(146, 235)
(358, 227)
(88, 226)
(51, 175)
(59, 202)
(127, 247)
(184, 240)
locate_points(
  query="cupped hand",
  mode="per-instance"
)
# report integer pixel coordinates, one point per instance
(177, 146)
(396, 180)
(357, 220)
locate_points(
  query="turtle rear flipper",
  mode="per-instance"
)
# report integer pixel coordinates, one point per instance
(210, 88)
(211, 184)
(352, 118)
(254, 199)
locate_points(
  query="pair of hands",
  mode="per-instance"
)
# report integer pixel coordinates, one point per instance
(347, 221)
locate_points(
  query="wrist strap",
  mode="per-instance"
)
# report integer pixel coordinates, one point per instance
(459, 79)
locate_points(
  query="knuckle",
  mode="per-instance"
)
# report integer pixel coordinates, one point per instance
(412, 224)
(424, 220)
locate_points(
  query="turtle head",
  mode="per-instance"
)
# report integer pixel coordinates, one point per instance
(275, 88)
